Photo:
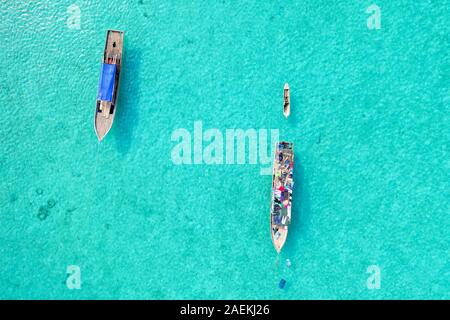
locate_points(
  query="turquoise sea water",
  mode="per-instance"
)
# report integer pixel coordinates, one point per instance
(370, 123)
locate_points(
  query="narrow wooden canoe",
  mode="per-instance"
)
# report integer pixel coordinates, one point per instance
(281, 200)
(287, 101)
(108, 86)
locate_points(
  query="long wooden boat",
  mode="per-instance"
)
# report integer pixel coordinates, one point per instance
(287, 101)
(108, 85)
(281, 200)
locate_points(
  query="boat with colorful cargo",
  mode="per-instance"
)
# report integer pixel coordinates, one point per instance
(281, 200)
(108, 85)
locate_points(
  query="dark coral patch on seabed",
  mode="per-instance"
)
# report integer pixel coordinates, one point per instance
(13, 197)
(51, 203)
(43, 213)
(44, 210)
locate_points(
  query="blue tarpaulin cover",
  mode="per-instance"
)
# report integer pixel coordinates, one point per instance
(106, 82)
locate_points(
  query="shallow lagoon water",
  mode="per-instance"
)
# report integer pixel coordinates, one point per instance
(369, 119)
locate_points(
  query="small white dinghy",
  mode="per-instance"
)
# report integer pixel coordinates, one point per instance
(287, 101)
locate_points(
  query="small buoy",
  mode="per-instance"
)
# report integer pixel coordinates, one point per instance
(288, 263)
(282, 283)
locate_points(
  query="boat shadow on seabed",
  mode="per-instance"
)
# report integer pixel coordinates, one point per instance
(300, 212)
(128, 103)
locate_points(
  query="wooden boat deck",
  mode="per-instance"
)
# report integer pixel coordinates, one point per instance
(105, 110)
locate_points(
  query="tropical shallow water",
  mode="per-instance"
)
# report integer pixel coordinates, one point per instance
(370, 124)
